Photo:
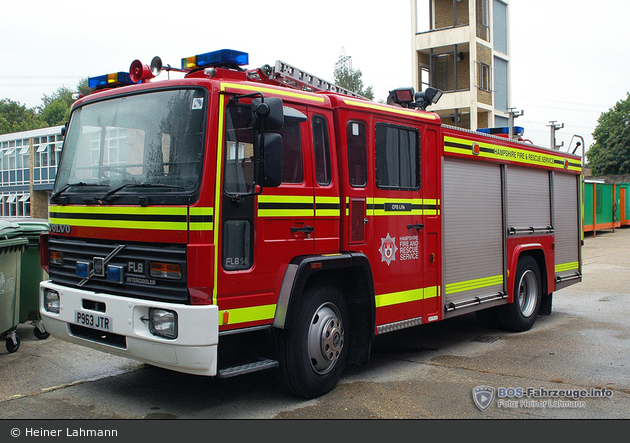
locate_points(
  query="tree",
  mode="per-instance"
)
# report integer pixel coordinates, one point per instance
(16, 117)
(349, 78)
(610, 154)
(55, 110)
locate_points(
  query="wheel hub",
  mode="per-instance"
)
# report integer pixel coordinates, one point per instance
(326, 339)
(527, 293)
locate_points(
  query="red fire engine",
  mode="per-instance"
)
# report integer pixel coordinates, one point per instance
(236, 220)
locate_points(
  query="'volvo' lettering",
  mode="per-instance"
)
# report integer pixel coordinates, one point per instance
(60, 229)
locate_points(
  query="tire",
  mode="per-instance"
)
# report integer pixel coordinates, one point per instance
(521, 314)
(313, 352)
(13, 347)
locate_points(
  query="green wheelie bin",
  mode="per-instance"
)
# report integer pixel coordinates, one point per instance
(12, 245)
(32, 275)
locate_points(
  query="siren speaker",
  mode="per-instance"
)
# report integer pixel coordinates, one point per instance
(139, 71)
(156, 66)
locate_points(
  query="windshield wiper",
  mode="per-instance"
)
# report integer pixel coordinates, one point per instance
(111, 192)
(65, 187)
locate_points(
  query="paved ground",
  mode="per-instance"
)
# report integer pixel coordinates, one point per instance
(424, 372)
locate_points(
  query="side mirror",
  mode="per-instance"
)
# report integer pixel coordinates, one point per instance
(268, 114)
(272, 152)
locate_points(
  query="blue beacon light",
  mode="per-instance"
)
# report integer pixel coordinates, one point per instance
(215, 58)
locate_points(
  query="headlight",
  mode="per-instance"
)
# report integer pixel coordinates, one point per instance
(163, 323)
(51, 301)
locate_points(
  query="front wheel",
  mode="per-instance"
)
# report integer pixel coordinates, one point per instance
(521, 314)
(313, 351)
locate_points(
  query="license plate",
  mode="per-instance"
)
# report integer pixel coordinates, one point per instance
(99, 322)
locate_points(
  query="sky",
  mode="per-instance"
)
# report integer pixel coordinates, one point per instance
(568, 58)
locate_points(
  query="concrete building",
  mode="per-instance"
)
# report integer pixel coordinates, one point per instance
(462, 48)
(28, 166)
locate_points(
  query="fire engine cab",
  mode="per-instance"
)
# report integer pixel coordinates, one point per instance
(233, 220)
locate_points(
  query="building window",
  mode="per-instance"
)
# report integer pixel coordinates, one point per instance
(447, 13)
(483, 21)
(450, 70)
(484, 77)
(24, 207)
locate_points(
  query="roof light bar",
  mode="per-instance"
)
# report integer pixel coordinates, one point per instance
(222, 57)
(110, 80)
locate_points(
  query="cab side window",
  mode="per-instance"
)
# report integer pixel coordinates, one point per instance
(397, 157)
(357, 158)
(321, 149)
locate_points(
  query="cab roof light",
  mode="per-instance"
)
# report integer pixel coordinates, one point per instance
(110, 80)
(222, 58)
(408, 98)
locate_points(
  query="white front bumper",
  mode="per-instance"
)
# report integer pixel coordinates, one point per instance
(194, 351)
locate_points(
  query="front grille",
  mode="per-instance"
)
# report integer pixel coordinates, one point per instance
(134, 258)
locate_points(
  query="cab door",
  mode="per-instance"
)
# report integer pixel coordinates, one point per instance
(325, 182)
(396, 212)
(260, 234)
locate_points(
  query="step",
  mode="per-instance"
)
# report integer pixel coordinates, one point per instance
(247, 368)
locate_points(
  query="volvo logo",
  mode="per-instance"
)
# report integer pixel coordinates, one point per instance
(60, 229)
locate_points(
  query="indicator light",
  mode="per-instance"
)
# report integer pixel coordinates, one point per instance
(55, 258)
(166, 270)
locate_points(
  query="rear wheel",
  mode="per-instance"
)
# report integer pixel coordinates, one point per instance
(313, 352)
(521, 314)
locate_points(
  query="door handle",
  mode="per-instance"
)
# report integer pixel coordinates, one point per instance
(306, 229)
(416, 226)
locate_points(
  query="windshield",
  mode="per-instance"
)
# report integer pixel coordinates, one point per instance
(150, 142)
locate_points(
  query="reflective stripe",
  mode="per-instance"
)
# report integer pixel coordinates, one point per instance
(488, 150)
(201, 219)
(286, 93)
(249, 314)
(567, 266)
(217, 195)
(155, 217)
(297, 206)
(452, 288)
(395, 298)
(399, 206)
(327, 207)
(402, 111)
(286, 206)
